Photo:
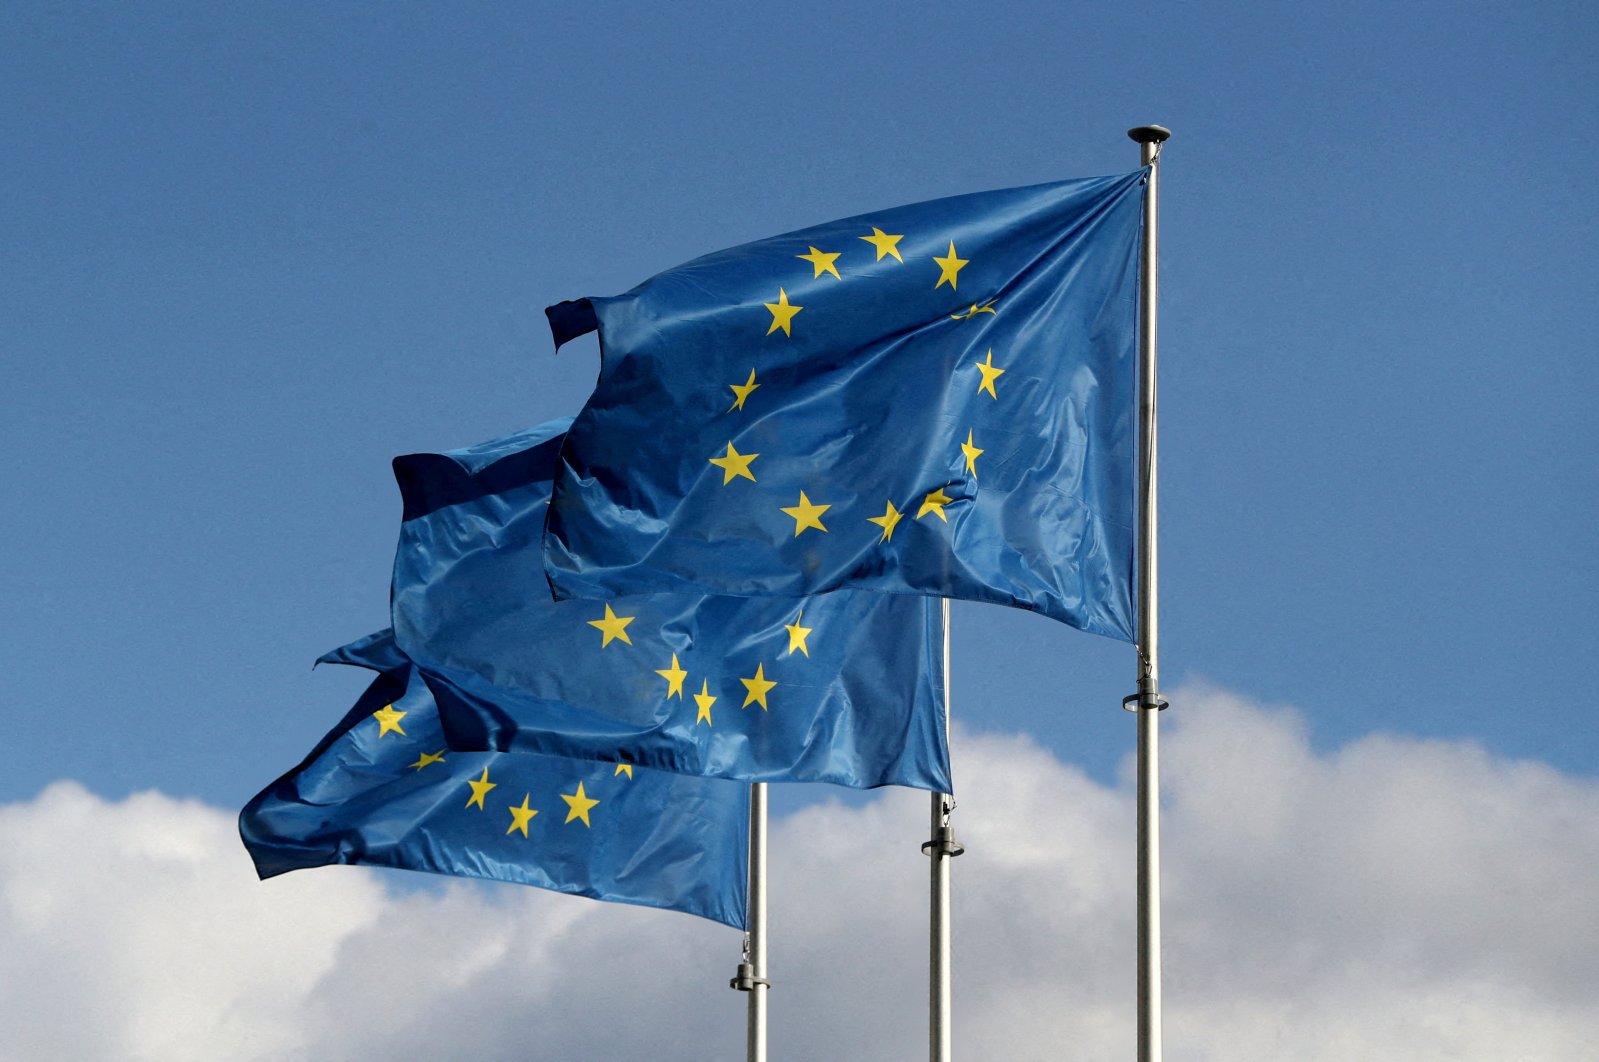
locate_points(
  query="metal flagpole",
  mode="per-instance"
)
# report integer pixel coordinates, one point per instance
(1147, 702)
(942, 848)
(751, 976)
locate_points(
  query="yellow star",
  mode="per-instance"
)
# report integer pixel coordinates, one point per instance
(887, 521)
(427, 758)
(990, 374)
(623, 768)
(734, 464)
(480, 789)
(675, 675)
(521, 816)
(704, 698)
(806, 515)
(579, 805)
(972, 454)
(950, 265)
(885, 243)
(389, 720)
(742, 391)
(797, 635)
(757, 688)
(822, 262)
(934, 503)
(967, 315)
(612, 626)
(782, 314)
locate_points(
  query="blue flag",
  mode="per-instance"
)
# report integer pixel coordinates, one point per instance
(383, 789)
(844, 688)
(938, 399)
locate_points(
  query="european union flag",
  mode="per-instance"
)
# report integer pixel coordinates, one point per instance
(384, 789)
(937, 398)
(844, 688)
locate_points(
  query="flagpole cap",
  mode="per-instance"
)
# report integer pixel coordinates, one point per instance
(1149, 134)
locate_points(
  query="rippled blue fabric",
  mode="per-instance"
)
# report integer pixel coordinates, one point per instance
(864, 400)
(857, 694)
(369, 796)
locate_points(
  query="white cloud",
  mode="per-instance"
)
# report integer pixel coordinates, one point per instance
(1391, 899)
(135, 930)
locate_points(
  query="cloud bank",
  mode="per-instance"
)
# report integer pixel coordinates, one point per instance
(1395, 898)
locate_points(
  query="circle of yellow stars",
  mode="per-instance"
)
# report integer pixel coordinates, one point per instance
(579, 804)
(806, 513)
(757, 687)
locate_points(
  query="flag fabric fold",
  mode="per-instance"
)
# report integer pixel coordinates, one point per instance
(844, 688)
(382, 788)
(937, 398)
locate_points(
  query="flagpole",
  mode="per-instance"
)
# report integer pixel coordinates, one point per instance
(1147, 702)
(942, 848)
(751, 976)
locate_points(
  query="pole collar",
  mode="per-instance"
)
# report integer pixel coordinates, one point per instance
(1135, 701)
(745, 980)
(944, 843)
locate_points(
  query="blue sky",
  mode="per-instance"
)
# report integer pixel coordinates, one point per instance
(251, 254)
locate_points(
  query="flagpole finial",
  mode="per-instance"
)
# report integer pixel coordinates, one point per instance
(1149, 134)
